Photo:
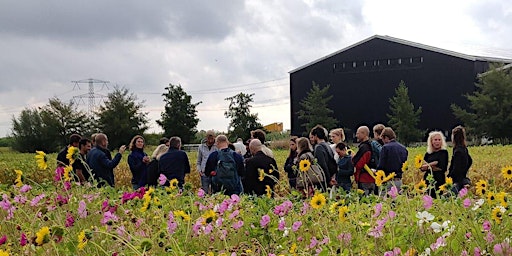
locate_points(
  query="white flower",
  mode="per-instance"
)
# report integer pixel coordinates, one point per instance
(478, 203)
(424, 217)
(426, 252)
(438, 227)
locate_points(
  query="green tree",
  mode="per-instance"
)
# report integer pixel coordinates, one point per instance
(180, 115)
(403, 118)
(315, 108)
(121, 117)
(490, 105)
(27, 131)
(242, 121)
(61, 120)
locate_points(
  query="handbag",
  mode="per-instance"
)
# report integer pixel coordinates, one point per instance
(314, 175)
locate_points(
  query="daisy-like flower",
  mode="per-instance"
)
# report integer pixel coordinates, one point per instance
(418, 161)
(497, 214)
(67, 171)
(268, 190)
(448, 185)
(83, 237)
(334, 206)
(343, 213)
(184, 216)
(304, 165)
(481, 187)
(261, 175)
(420, 187)
(379, 177)
(502, 198)
(208, 217)
(72, 154)
(173, 184)
(507, 172)
(318, 201)
(491, 198)
(43, 236)
(41, 160)
(18, 181)
(478, 204)
(424, 217)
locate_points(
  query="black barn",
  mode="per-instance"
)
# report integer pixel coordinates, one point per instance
(364, 76)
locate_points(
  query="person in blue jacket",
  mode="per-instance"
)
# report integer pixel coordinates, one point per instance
(345, 167)
(100, 163)
(138, 162)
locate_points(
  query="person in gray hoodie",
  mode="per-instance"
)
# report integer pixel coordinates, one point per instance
(204, 150)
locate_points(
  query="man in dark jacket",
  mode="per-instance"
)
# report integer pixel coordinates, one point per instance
(101, 165)
(235, 186)
(259, 161)
(74, 140)
(174, 164)
(323, 153)
(392, 156)
(363, 157)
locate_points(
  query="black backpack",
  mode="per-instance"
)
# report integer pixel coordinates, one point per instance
(331, 162)
(226, 176)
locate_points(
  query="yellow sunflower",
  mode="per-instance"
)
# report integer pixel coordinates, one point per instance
(261, 175)
(481, 187)
(184, 216)
(173, 184)
(208, 217)
(268, 190)
(421, 187)
(343, 213)
(507, 172)
(72, 154)
(418, 161)
(304, 165)
(379, 177)
(405, 166)
(497, 214)
(448, 185)
(334, 206)
(318, 201)
(502, 198)
(491, 198)
(41, 160)
(350, 152)
(18, 181)
(293, 248)
(82, 240)
(67, 171)
(43, 236)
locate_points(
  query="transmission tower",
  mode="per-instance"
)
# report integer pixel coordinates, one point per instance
(91, 95)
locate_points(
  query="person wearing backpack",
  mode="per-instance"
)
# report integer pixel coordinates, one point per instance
(324, 154)
(175, 163)
(225, 167)
(392, 156)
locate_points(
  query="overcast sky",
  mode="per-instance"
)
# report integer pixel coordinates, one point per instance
(213, 49)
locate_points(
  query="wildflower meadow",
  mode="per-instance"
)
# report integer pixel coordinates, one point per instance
(43, 211)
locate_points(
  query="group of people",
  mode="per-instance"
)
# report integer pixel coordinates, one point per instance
(382, 152)
(249, 167)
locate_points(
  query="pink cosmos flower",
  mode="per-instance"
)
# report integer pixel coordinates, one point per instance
(265, 219)
(162, 179)
(104, 205)
(127, 196)
(477, 251)
(502, 249)
(70, 221)
(440, 242)
(427, 201)
(378, 208)
(468, 235)
(234, 214)
(3, 239)
(23, 239)
(67, 185)
(219, 222)
(25, 188)
(171, 224)
(283, 209)
(5, 203)
(346, 238)
(486, 225)
(391, 214)
(296, 225)
(235, 199)
(208, 229)
(281, 225)
(489, 237)
(393, 192)
(59, 171)
(82, 209)
(463, 192)
(466, 203)
(238, 224)
(36, 200)
(109, 218)
(313, 242)
(200, 193)
(20, 199)
(305, 208)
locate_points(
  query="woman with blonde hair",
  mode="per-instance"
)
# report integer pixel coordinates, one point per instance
(153, 172)
(337, 135)
(436, 160)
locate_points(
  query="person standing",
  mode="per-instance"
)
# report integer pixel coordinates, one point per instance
(377, 131)
(392, 156)
(203, 151)
(175, 163)
(323, 154)
(291, 161)
(74, 140)
(100, 161)
(337, 135)
(345, 167)
(226, 167)
(461, 160)
(363, 157)
(260, 135)
(80, 166)
(240, 147)
(259, 161)
(436, 161)
(138, 162)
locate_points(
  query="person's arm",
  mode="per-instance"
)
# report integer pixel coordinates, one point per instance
(199, 159)
(383, 158)
(322, 161)
(187, 162)
(458, 164)
(134, 163)
(239, 164)
(363, 160)
(210, 164)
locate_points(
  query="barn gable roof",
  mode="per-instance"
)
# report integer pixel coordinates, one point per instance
(413, 44)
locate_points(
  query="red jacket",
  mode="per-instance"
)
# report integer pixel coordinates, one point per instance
(361, 175)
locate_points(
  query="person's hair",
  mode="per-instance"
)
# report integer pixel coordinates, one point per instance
(231, 146)
(74, 138)
(175, 142)
(377, 129)
(388, 132)
(459, 136)
(132, 145)
(431, 135)
(164, 140)
(159, 151)
(100, 137)
(83, 142)
(341, 146)
(364, 129)
(93, 138)
(339, 132)
(221, 138)
(258, 134)
(319, 131)
(293, 152)
(210, 133)
(255, 145)
(303, 144)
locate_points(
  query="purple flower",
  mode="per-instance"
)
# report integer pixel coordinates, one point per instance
(36, 200)
(463, 192)
(67, 185)
(208, 229)
(489, 237)
(283, 209)
(427, 201)
(477, 251)
(265, 219)
(23, 239)
(466, 203)
(234, 214)
(393, 192)
(502, 249)
(82, 209)
(70, 221)
(5, 203)
(59, 171)
(200, 193)
(296, 225)
(25, 188)
(313, 242)
(3, 239)
(486, 225)
(171, 224)
(391, 214)
(235, 199)
(440, 242)
(238, 224)
(109, 218)
(127, 196)
(162, 179)
(281, 225)
(468, 235)
(20, 199)
(378, 208)
(345, 238)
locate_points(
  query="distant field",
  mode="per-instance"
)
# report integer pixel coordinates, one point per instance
(487, 164)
